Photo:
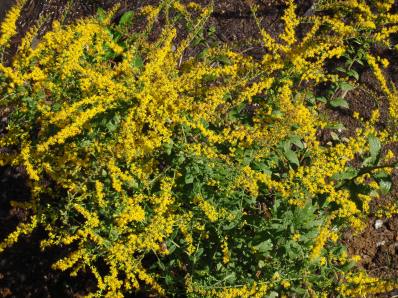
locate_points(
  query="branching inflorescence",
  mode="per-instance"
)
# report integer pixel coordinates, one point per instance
(203, 176)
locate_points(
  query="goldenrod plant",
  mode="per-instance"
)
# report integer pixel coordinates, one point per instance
(199, 176)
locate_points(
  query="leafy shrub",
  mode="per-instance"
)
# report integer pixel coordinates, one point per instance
(201, 176)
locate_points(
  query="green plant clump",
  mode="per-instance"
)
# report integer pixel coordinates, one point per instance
(200, 176)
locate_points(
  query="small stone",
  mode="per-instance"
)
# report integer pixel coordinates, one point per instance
(378, 224)
(380, 243)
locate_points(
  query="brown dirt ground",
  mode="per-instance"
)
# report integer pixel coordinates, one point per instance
(25, 271)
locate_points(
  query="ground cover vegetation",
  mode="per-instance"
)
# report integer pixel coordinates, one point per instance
(201, 175)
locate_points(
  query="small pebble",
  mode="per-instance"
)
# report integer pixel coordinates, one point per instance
(380, 243)
(378, 224)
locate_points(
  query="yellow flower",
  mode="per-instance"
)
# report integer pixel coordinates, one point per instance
(285, 283)
(8, 27)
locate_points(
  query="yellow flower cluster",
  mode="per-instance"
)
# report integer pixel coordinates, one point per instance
(255, 289)
(22, 229)
(9, 26)
(360, 284)
(103, 124)
(208, 209)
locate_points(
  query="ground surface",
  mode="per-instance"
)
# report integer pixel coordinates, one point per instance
(25, 270)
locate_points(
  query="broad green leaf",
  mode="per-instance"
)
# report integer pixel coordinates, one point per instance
(385, 186)
(346, 86)
(264, 247)
(297, 141)
(374, 147)
(346, 175)
(339, 103)
(292, 157)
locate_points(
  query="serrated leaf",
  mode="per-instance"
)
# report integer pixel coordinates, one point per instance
(339, 103)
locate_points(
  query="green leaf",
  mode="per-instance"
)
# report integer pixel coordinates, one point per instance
(272, 294)
(339, 103)
(334, 136)
(353, 74)
(264, 247)
(309, 96)
(348, 174)
(138, 62)
(381, 174)
(299, 291)
(230, 226)
(168, 147)
(346, 86)
(224, 60)
(56, 107)
(297, 141)
(385, 186)
(189, 178)
(292, 157)
(336, 126)
(126, 18)
(374, 147)
(101, 14)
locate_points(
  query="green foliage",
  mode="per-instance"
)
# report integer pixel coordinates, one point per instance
(196, 176)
